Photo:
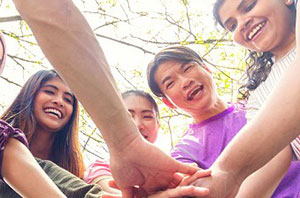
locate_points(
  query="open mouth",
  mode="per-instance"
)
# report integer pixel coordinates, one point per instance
(53, 111)
(195, 92)
(255, 30)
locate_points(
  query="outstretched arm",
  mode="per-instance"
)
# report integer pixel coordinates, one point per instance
(264, 181)
(19, 165)
(70, 45)
(273, 128)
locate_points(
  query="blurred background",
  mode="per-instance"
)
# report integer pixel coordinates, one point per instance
(130, 33)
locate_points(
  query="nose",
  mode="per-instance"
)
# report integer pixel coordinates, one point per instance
(140, 125)
(245, 23)
(59, 101)
(186, 83)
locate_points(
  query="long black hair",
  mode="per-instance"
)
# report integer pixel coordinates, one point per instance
(259, 64)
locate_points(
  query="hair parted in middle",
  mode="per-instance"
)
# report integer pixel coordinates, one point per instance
(145, 95)
(65, 149)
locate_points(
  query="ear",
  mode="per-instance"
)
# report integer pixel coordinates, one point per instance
(168, 103)
(289, 2)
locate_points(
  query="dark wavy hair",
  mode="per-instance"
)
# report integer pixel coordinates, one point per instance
(181, 54)
(259, 64)
(65, 149)
(145, 95)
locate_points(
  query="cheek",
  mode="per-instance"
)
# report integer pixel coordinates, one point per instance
(154, 128)
(69, 111)
(175, 96)
(237, 38)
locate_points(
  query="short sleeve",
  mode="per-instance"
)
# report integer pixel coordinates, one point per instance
(97, 169)
(6, 132)
(295, 144)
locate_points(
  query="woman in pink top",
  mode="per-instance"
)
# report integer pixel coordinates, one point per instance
(144, 112)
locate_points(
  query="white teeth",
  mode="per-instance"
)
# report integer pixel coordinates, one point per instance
(255, 30)
(194, 92)
(54, 111)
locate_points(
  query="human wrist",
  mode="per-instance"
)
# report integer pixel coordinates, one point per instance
(234, 176)
(120, 133)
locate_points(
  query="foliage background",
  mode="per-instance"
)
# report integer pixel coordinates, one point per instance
(130, 33)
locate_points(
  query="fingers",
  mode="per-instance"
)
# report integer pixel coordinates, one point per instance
(177, 178)
(189, 191)
(182, 191)
(186, 169)
(199, 174)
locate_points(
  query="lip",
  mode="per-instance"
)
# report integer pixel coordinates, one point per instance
(260, 26)
(55, 109)
(190, 94)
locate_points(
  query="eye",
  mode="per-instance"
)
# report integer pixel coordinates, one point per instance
(250, 6)
(49, 92)
(232, 27)
(68, 100)
(148, 117)
(170, 84)
(187, 68)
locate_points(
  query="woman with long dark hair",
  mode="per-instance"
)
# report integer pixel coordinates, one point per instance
(47, 112)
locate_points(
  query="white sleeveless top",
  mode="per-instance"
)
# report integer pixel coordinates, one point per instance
(260, 94)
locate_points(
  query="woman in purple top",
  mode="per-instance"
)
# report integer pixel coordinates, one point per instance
(179, 76)
(15, 158)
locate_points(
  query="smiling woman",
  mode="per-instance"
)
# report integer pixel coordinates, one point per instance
(47, 111)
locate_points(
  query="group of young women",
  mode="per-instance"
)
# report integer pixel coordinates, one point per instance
(46, 110)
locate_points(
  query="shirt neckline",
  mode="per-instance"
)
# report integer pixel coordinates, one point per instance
(218, 116)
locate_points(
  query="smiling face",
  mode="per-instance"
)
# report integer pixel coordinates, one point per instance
(144, 115)
(260, 25)
(53, 105)
(188, 86)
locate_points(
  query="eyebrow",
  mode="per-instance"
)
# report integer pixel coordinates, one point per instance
(241, 5)
(168, 77)
(147, 111)
(239, 8)
(54, 87)
(143, 111)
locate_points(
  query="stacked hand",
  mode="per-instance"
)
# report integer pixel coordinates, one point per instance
(182, 190)
(143, 165)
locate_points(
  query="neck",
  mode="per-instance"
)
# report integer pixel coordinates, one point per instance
(214, 109)
(41, 144)
(282, 50)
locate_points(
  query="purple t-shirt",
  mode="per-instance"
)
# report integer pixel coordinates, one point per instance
(204, 142)
(6, 132)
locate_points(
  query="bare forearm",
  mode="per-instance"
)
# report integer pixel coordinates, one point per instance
(264, 181)
(19, 166)
(269, 132)
(70, 45)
